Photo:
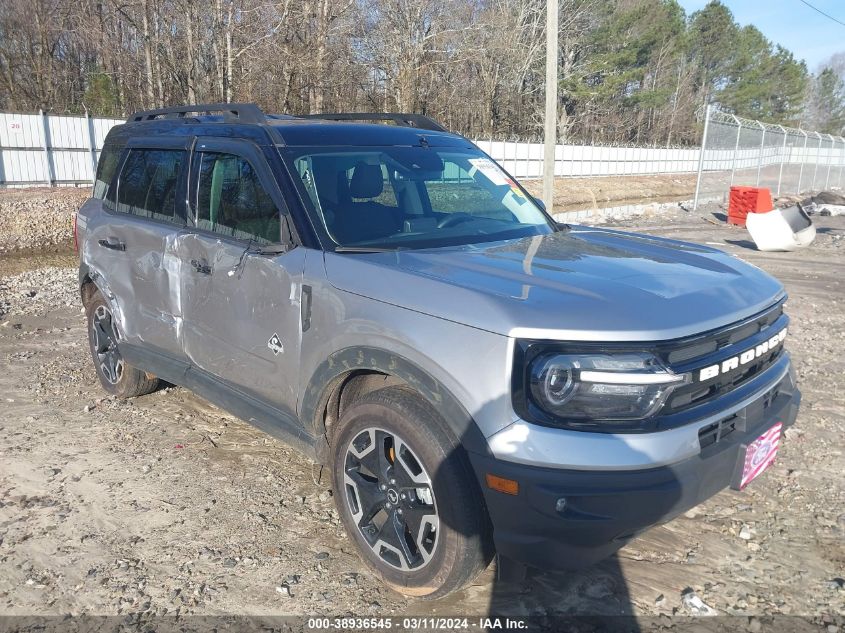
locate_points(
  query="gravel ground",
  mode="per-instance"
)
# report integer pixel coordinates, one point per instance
(40, 290)
(38, 218)
(165, 504)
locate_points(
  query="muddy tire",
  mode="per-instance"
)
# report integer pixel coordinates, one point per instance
(116, 376)
(407, 495)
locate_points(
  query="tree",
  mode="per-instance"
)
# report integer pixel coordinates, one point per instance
(826, 107)
(34, 45)
(631, 71)
(712, 41)
(628, 77)
(101, 95)
(764, 83)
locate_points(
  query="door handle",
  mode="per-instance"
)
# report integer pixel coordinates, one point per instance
(116, 245)
(201, 266)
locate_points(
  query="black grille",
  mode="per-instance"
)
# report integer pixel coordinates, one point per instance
(711, 342)
(713, 348)
(688, 395)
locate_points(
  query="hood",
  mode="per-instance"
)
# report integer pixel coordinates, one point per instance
(583, 284)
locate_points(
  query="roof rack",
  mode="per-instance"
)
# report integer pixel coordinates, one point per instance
(406, 120)
(240, 112)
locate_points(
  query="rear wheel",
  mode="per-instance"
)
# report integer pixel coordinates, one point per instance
(407, 495)
(116, 376)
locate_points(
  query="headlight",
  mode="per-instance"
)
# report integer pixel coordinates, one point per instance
(629, 386)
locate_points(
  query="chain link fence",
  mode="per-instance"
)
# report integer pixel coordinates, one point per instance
(737, 151)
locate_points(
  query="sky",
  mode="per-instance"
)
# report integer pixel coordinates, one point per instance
(792, 24)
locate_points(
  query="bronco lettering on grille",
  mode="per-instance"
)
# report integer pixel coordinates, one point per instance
(746, 357)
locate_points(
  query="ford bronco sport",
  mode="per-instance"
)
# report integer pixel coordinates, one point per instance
(476, 377)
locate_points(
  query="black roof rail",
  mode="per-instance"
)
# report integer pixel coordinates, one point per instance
(406, 120)
(240, 112)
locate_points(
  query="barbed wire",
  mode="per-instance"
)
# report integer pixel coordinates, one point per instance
(726, 118)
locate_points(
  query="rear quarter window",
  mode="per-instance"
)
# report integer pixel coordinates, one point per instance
(106, 167)
(148, 182)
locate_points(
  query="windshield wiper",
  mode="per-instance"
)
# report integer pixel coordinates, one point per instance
(365, 249)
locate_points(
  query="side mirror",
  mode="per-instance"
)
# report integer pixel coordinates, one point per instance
(273, 249)
(539, 202)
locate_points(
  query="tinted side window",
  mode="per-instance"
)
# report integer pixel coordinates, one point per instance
(148, 183)
(105, 170)
(232, 201)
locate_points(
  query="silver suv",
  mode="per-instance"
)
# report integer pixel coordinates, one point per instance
(477, 378)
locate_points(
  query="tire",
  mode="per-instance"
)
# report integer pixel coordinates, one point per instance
(116, 376)
(397, 471)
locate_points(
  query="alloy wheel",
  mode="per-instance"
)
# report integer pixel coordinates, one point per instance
(104, 341)
(391, 499)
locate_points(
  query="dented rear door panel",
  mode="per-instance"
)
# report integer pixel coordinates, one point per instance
(134, 261)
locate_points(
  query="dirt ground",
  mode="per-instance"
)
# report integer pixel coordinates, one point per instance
(165, 504)
(597, 192)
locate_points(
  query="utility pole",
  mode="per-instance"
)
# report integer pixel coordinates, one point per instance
(707, 111)
(550, 132)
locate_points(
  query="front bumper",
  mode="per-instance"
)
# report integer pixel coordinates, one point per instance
(604, 509)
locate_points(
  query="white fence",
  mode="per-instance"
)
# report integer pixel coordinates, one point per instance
(49, 150)
(525, 160)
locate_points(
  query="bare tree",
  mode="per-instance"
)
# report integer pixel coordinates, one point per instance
(629, 70)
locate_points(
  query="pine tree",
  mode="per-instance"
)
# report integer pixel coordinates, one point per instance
(627, 72)
(827, 103)
(101, 95)
(764, 83)
(713, 45)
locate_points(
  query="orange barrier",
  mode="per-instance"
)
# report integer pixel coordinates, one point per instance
(745, 200)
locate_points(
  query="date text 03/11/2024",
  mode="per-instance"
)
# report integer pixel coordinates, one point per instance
(418, 623)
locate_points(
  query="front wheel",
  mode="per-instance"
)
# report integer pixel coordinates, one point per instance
(407, 495)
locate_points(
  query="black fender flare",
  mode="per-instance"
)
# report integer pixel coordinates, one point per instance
(361, 358)
(84, 276)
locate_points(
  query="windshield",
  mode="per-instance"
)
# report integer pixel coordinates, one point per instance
(413, 197)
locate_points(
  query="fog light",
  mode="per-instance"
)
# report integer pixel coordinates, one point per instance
(508, 486)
